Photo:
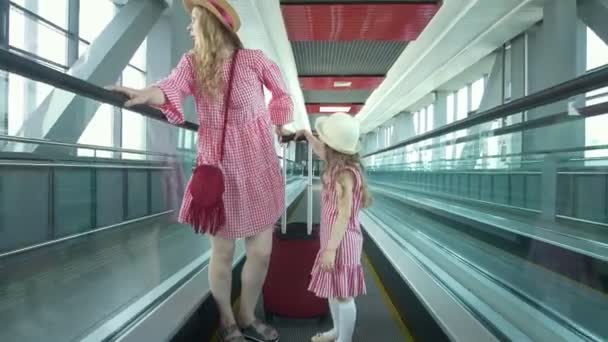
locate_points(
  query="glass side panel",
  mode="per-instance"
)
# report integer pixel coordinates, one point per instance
(85, 222)
(514, 217)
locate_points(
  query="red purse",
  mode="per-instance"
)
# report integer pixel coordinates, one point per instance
(207, 213)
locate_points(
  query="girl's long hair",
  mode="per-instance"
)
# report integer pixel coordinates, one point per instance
(211, 39)
(337, 162)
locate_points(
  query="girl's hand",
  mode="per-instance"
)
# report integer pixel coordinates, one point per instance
(137, 96)
(328, 260)
(301, 133)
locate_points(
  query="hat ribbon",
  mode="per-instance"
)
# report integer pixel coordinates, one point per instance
(223, 12)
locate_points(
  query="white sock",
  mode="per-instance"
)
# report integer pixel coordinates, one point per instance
(347, 311)
(333, 308)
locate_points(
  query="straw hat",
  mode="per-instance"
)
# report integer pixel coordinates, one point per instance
(340, 131)
(221, 9)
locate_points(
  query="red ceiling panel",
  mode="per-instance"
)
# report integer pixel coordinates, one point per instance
(344, 22)
(329, 83)
(330, 108)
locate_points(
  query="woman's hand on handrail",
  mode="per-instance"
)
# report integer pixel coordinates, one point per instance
(152, 96)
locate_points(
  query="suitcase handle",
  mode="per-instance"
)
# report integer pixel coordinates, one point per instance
(291, 137)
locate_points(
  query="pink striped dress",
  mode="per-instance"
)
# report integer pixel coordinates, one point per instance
(347, 279)
(254, 196)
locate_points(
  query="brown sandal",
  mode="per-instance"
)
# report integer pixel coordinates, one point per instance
(259, 331)
(229, 334)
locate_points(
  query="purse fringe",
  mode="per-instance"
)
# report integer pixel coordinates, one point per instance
(207, 220)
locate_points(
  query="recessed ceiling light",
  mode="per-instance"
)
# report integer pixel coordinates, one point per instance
(342, 84)
(334, 109)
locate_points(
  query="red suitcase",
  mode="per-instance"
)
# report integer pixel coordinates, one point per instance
(285, 291)
(294, 251)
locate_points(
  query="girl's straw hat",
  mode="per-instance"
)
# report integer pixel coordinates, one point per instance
(340, 131)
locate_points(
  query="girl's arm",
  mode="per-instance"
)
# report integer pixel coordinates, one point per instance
(345, 202)
(317, 146)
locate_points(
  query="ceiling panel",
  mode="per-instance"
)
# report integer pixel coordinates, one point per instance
(354, 1)
(323, 96)
(329, 108)
(325, 58)
(340, 83)
(462, 34)
(357, 21)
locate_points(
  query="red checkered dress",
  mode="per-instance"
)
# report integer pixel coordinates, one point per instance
(254, 195)
(347, 279)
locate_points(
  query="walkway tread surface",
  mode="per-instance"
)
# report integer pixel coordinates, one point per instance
(375, 320)
(63, 292)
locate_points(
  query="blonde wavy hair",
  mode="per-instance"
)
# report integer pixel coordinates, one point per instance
(336, 162)
(211, 40)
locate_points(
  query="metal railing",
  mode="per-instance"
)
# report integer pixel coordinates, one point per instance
(94, 148)
(14, 63)
(563, 91)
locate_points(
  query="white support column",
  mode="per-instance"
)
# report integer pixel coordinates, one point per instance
(556, 53)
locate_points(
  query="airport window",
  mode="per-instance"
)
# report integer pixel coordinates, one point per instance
(477, 90)
(37, 31)
(133, 124)
(462, 104)
(430, 116)
(450, 108)
(422, 121)
(37, 38)
(595, 127)
(450, 117)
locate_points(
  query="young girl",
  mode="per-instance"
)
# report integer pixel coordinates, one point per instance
(337, 274)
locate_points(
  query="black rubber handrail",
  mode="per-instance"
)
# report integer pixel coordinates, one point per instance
(14, 63)
(589, 81)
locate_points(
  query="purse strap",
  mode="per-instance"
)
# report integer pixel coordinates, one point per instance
(227, 103)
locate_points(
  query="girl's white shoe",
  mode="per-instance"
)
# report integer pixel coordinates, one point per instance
(328, 336)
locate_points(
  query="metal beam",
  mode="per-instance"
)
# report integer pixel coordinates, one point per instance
(73, 27)
(64, 116)
(594, 13)
(557, 53)
(4, 23)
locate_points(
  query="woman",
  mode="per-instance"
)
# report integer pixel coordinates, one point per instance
(253, 197)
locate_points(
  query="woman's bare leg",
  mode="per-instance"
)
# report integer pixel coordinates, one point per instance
(254, 273)
(220, 278)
